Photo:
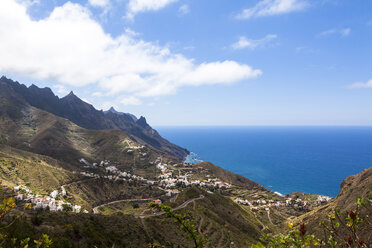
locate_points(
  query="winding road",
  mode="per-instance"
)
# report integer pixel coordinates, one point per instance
(95, 209)
(183, 205)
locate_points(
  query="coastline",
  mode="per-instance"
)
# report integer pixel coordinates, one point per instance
(284, 160)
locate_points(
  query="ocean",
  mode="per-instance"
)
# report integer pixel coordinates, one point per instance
(283, 159)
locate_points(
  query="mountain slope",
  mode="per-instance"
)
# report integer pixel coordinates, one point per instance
(31, 129)
(354, 186)
(85, 115)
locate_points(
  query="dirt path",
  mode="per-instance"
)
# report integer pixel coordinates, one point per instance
(145, 227)
(183, 205)
(95, 209)
(200, 224)
(268, 216)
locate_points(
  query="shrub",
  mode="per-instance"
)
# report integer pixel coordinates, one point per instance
(36, 220)
(185, 223)
(8, 240)
(340, 230)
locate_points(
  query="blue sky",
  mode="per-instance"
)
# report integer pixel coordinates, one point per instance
(192, 62)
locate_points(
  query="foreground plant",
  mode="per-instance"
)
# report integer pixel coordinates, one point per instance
(6, 239)
(340, 230)
(185, 222)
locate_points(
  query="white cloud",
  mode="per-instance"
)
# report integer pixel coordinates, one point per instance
(244, 42)
(61, 89)
(71, 48)
(360, 85)
(86, 100)
(184, 9)
(29, 3)
(131, 32)
(273, 7)
(99, 3)
(189, 48)
(138, 6)
(343, 32)
(97, 94)
(131, 100)
(304, 49)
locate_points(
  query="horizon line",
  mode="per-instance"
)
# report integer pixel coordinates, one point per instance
(262, 125)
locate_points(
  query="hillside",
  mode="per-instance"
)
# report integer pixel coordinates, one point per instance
(354, 186)
(38, 131)
(40, 173)
(220, 219)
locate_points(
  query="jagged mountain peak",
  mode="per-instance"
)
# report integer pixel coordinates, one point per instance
(114, 111)
(71, 95)
(5, 79)
(46, 90)
(142, 122)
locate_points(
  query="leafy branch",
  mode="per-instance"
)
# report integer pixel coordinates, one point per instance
(340, 230)
(185, 222)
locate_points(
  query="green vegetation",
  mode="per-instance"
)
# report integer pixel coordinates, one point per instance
(8, 240)
(341, 230)
(38, 172)
(186, 224)
(128, 208)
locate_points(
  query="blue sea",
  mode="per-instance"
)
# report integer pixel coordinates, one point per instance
(283, 159)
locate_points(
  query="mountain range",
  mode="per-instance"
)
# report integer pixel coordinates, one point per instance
(85, 115)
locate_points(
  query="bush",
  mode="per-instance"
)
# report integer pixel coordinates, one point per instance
(66, 208)
(340, 230)
(36, 220)
(13, 233)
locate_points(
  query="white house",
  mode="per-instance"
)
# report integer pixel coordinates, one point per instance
(63, 193)
(54, 194)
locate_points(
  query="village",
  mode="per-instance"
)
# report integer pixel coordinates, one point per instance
(297, 204)
(167, 180)
(53, 202)
(171, 179)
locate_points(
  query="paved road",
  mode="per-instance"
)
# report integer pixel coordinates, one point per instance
(183, 205)
(95, 209)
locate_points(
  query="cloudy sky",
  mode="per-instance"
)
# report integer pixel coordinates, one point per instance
(192, 62)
